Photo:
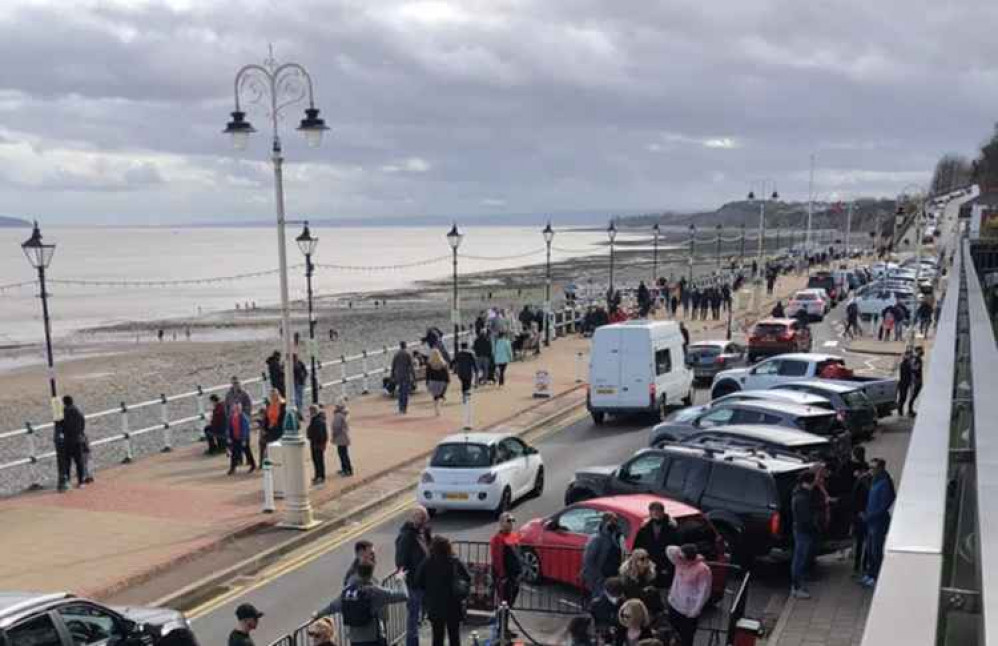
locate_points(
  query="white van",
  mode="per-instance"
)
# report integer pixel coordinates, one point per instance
(638, 367)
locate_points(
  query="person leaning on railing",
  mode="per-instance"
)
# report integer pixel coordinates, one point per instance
(362, 605)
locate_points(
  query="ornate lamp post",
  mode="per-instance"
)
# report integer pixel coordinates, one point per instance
(611, 233)
(693, 243)
(40, 255)
(282, 86)
(454, 238)
(762, 234)
(654, 263)
(548, 234)
(307, 244)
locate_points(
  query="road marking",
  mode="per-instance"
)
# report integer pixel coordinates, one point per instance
(309, 555)
(830, 344)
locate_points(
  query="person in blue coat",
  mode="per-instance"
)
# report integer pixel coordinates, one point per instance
(502, 355)
(877, 518)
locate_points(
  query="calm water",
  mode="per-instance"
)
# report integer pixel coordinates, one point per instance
(192, 253)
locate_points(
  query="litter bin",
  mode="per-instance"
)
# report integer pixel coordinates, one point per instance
(275, 453)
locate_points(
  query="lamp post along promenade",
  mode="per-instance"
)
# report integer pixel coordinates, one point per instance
(454, 238)
(307, 244)
(548, 234)
(277, 87)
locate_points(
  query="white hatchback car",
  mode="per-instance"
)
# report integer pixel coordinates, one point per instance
(815, 302)
(487, 471)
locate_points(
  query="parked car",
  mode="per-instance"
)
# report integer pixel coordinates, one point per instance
(745, 495)
(854, 408)
(818, 421)
(777, 336)
(480, 471)
(874, 298)
(707, 358)
(768, 439)
(552, 547)
(63, 619)
(825, 281)
(798, 367)
(788, 396)
(637, 367)
(811, 302)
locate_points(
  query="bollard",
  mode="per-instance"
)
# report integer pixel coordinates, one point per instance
(268, 488)
(343, 373)
(32, 470)
(167, 431)
(263, 386)
(129, 454)
(363, 358)
(578, 367)
(466, 406)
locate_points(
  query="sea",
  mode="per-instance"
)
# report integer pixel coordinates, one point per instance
(363, 259)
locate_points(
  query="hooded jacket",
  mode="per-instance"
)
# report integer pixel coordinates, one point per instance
(691, 584)
(601, 558)
(878, 503)
(380, 598)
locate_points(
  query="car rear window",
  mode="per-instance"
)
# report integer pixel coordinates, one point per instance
(818, 424)
(856, 399)
(739, 484)
(696, 352)
(770, 328)
(461, 456)
(805, 296)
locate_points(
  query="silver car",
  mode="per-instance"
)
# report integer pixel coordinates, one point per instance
(707, 358)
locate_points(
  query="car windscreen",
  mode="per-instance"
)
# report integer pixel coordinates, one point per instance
(818, 424)
(856, 399)
(769, 328)
(461, 455)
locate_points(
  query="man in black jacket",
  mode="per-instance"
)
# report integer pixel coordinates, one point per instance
(70, 431)
(904, 381)
(805, 533)
(412, 545)
(464, 367)
(657, 533)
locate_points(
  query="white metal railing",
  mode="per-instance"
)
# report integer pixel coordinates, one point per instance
(373, 363)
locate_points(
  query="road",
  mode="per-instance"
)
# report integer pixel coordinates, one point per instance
(290, 591)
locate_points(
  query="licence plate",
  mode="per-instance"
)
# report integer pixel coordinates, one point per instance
(455, 496)
(605, 391)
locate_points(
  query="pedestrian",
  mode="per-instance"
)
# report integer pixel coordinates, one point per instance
(689, 591)
(902, 318)
(638, 574)
(363, 552)
(318, 437)
(805, 526)
(904, 380)
(635, 623)
(578, 631)
(602, 555)
(341, 437)
(437, 378)
(877, 517)
(860, 497)
(605, 610)
(404, 376)
(273, 426)
(322, 632)
(465, 366)
(852, 320)
(247, 620)
(778, 312)
(924, 316)
(502, 355)
(275, 371)
(655, 534)
(412, 545)
(214, 432)
(445, 584)
(300, 377)
(507, 564)
(916, 380)
(362, 605)
(483, 358)
(239, 439)
(686, 336)
(71, 434)
(235, 394)
(887, 324)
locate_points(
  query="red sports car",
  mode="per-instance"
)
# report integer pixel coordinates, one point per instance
(552, 547)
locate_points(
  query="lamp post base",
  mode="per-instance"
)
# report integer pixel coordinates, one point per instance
(297, 509)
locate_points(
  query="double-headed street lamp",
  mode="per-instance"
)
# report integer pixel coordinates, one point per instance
(720, 230)
(548, 234)
(307, 244)
(611, 233)
(280, 87)
(762, 233)
(654, 262)
(454, 238)
(693, 243)
(40, 255)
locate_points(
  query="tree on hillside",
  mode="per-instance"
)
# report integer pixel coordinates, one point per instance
(952, 172)
(985, 167)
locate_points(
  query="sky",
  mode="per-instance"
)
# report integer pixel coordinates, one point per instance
(112, 111)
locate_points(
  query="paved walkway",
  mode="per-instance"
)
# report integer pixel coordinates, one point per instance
(166, 509)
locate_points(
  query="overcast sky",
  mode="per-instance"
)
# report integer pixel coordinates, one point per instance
(112, 110)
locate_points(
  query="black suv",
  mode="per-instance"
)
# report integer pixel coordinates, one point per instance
(33, 619)
(744, 493)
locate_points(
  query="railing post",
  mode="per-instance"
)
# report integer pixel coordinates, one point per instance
(343, 376)
(467, 410)
(263, 387)
(200, 397)
(318, 375)
(32, 470)
(165, 418)
(129, 453)
(388, 363)
(364, 391)
(578, 367)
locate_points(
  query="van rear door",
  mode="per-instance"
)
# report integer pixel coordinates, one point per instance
(636, 369)
(604, 370)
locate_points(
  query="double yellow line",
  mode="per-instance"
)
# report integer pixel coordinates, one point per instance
(302, 558)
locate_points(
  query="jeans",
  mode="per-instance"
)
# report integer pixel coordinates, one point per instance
(71, 453)
(859, 558)
(803, 546)
(344, 453)
(876, 535)
(483, 364)
(916, 389)
(240, 448)
(414, 608)
(299, 395)
(501, 370)
(685, 626)
(318, 459)
(403, 388)
(451, 625)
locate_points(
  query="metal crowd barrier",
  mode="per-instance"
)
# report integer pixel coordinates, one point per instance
(158, 415)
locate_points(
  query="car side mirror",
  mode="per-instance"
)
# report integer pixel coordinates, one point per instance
(552, 525)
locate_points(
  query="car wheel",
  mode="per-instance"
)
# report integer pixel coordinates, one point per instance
(598, 417)
(505, 502)
(722, 389)
(531, 564)
(538, 483)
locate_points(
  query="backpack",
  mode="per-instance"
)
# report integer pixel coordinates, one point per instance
(356, 606)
